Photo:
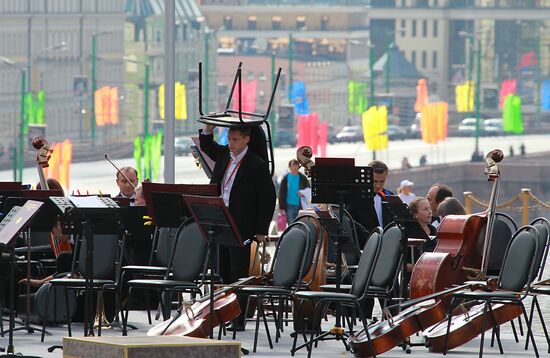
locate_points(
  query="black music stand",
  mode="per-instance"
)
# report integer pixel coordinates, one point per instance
(217, 227)
(87, 221)
(338, 180)
(15, 222)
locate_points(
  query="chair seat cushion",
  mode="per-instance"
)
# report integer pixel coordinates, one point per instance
(79, 282)
(264, 290)
(145, 268)
(161, 283)
(316, 295)
(373, 290)
(482, 295)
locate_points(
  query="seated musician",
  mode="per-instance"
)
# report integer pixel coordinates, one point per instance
(450, 206)
(64, 259)
(243, 179)
(420, 208)
(436, 194)
(126, 183)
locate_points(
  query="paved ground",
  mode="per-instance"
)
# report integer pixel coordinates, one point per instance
(29, 344)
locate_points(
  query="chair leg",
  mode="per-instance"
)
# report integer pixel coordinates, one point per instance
(365, 326)
(539, 311)
(531, 313)
(261, 309)
(52, 287)
(514, 331)
(483, 326)
(520, 327)
(65, 291)
(125, 316)
(496, 329)
(529, 330)
(148, 307)
(297, 317)
(316, 321)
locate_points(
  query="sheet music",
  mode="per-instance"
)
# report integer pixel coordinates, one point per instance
(87, 202)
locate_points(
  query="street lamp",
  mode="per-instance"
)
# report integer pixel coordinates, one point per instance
(145, 95)
(476, 155)
(93, 84)
(62, 46)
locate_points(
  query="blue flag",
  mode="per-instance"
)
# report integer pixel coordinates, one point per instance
(299, 98)
(545, 95)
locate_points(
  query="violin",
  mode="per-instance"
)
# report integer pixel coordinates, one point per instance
(194, 320)
(43, 155)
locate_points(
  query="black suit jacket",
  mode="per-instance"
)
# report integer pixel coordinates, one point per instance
(365, 214)
(252, 197)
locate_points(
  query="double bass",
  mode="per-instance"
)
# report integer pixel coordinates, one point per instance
(463, 242)
(43, 155)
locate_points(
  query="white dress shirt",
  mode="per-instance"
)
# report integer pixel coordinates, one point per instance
(230, 174)
(378, 208)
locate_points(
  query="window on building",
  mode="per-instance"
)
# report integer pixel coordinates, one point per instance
(424, 59)
(425, 28)
(252, 21)
(413, 28)
(435, 29)
(228, 22)
(324, 23)
(403, 26)
(276, 22)
(300, 22)
(413, 58)
(434, 59)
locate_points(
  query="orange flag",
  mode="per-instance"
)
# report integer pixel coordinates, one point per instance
(421, 95)
(65, 165)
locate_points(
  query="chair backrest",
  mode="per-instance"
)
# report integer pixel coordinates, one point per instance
(368, 260)
(543, 229)
(40, 238)
(519, 260)
(387, 266)
(311, 227)
(504, 228)
(189, 254)
(105, 257)
(164, 245)
(289, 261)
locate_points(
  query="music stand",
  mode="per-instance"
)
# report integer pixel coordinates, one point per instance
(44, 221)
(217, 226)
(338, 180)
(15, 222)
(207, 164)
(104, 218)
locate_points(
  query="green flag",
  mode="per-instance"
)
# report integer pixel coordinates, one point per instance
(30, 109)
(156, 153)
(351, 101)
(147, 146)
(137, 157)
(40, 107)
(512, 121)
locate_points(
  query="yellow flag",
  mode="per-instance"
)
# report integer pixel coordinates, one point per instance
(375, 127)
(180, 106)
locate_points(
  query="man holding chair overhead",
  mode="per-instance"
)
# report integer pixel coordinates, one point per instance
(247, 189)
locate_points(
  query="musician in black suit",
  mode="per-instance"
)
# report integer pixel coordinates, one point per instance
(371, 213)
(247, 189)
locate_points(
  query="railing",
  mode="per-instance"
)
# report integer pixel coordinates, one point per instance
(523, 197)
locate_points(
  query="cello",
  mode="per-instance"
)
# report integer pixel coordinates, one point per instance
(43, 155)
(461, 243)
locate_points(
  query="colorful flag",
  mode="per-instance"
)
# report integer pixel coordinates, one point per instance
(421, 95)
(298, 97)
(375, 127)
(506, 87)
(512, 121)
(464, 96)
(137, 156)
(248, 99)
(180, 101)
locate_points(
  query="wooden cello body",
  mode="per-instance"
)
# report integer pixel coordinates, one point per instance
(461, 243)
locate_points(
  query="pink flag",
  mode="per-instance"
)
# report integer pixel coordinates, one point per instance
(323, 139)
(507, 87)
(248, 98)
(314, 131)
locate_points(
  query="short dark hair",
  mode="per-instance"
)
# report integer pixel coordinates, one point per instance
(443, 191)
(378, 167)
(449, 206)
(293, 161)
(124, 169)
(245, 131)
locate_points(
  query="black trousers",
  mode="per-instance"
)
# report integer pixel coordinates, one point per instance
(233, 265)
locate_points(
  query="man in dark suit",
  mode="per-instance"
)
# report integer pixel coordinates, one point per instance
(126, 180)
(246, 187)
(371, 213)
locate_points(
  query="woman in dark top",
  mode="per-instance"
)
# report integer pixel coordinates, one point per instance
(420, 207)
